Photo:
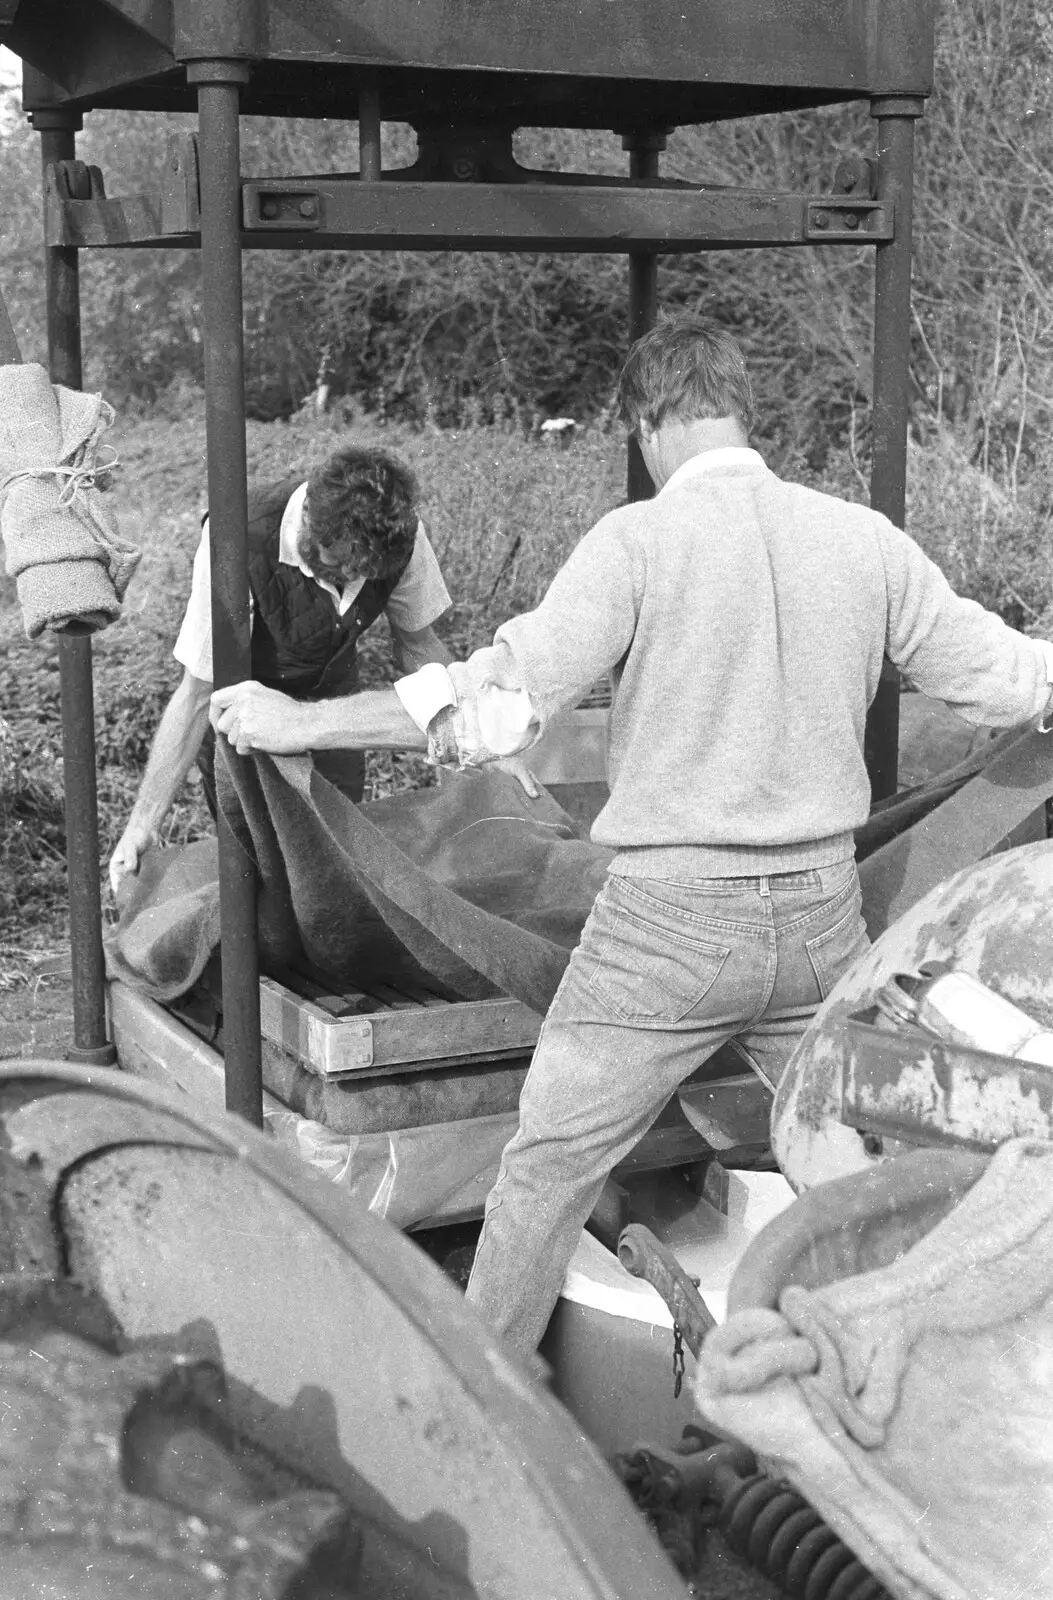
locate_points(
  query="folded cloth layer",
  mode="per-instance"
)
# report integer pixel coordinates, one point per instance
(469, 883)
(911, 1404)
(59, 533)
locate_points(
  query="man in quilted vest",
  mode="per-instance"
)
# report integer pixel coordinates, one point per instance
(326, 557)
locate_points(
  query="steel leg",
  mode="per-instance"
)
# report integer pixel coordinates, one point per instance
(218, 85)
(643, 292)
(895, 120)
(91, 1045)
(369, 132)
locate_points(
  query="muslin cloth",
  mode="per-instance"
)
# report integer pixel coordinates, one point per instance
(912, 1404)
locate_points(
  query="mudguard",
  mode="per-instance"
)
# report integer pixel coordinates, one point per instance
(342, 1348)
(994, 920)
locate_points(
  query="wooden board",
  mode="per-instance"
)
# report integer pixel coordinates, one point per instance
(152, 1044)
(400, 1032)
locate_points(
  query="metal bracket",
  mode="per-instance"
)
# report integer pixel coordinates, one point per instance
(837, 217)
(78, 212)
(712, 1182)
(73, 180)
(856, 175)
(906, 1084)
(281, 207)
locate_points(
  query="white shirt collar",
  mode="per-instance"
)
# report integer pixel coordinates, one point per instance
(728, 455)
(289, 553)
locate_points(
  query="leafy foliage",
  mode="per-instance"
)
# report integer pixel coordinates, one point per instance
(446, 339)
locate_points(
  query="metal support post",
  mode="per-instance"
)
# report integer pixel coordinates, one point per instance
(369, 165)
(90, 1044)
(643, 151)
(218, 86)
(895, 116)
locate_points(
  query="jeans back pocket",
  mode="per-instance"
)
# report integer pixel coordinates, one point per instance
(834, 950)
(649, 968)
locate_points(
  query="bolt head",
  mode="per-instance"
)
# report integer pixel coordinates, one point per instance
(269, 209)
(307, 208)
(851, 219)
(820, 219)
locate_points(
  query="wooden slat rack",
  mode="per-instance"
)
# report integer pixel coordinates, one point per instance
(388, 1028)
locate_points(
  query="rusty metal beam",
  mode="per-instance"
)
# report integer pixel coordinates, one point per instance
(342, 213)
(552, 218)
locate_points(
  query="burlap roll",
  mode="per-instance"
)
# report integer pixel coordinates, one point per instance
(59, 532)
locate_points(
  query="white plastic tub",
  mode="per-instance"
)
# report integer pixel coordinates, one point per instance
(610, 1341)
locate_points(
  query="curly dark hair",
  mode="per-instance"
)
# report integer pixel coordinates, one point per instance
(361, 516)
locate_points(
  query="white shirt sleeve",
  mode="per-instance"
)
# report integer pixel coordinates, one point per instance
(490, 719)
(420, 597)
(193, 646)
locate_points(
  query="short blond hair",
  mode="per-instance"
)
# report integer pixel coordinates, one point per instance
(684, 367)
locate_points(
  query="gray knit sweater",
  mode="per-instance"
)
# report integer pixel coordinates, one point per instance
(744, 621)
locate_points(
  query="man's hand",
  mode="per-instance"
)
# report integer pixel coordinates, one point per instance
(124, 862)
(254, 718)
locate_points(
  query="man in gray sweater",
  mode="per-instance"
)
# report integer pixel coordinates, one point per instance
(744, 621)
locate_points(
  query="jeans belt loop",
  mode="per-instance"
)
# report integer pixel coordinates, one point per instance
(765, 886)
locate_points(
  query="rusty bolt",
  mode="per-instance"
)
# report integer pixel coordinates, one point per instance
(851, 220)
(820, 219)
(269, 209)
(307, 208)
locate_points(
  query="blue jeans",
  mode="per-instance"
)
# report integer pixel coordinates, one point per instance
(665, 973)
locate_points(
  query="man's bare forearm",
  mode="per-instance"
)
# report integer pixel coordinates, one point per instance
(372, 720)
(253, 717)
(175, 747)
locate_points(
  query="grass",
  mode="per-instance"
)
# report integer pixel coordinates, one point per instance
(503, 511)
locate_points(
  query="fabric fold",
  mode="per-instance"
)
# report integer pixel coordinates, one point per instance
(468, 883)
(911, 1403)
